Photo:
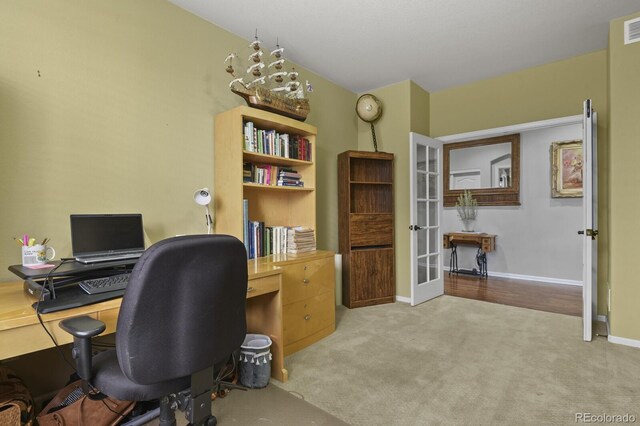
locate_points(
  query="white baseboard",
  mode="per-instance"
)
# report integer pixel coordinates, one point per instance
(624, 341)
(403, 299)
(602, 318)
(532, 278)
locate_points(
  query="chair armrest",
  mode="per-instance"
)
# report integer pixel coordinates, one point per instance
(82, 329)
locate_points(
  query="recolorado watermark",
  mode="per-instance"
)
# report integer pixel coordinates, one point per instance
(605, 418)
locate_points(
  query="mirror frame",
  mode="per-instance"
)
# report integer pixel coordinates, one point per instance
(485, 196)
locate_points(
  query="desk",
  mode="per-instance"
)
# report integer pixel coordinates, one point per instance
(485, 243)
(21, 333)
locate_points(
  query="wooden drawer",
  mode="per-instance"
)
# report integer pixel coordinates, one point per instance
(371, 230)
(488, 245)
(263, 285)
(303, 280)
(306, 317)
(31, 338)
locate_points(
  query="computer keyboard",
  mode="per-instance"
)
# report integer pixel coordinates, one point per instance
(103, 285)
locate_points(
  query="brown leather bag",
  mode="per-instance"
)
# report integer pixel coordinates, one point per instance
(16, 402)
(71, 407)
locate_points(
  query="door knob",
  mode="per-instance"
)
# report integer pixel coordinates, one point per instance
(593, 233)
(414, 227)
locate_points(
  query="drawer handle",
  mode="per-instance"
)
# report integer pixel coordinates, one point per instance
(250, 289)
(307, 317)
(306, 281)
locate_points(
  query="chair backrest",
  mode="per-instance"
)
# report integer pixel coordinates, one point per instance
(184, 307)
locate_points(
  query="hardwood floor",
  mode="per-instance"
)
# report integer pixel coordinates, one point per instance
(558, 298)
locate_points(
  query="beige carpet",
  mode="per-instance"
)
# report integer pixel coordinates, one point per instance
(456, 361)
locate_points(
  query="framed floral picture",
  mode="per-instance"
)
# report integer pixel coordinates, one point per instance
(566, 169)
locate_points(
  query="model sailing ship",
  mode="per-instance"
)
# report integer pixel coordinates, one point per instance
(269, 87)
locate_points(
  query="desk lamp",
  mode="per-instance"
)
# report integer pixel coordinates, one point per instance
(203, 197)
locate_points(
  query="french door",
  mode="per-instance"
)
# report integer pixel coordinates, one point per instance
(425, 218)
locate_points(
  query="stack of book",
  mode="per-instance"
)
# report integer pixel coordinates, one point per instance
(289, 177)
(267, 174)
(300, 240)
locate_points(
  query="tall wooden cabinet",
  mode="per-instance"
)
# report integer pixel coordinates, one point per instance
(308, 279)
(365, 207)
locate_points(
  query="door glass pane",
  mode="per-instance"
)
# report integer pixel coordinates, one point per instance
(422, 213)
(433, 235)
(421, 188)
(422, 242)
(433, 213)
(433, 160)
(433, 187)
(433, 267)
(421, 158)
(422, 270)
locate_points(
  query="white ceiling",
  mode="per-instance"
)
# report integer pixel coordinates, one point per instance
(367, 44)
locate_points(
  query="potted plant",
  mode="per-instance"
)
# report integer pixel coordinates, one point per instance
(467, 208)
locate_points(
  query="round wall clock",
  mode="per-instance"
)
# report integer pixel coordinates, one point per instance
(369, 109)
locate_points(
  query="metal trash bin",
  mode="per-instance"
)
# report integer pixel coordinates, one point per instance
(255, 361)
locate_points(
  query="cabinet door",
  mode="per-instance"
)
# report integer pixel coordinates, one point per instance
(372, 276)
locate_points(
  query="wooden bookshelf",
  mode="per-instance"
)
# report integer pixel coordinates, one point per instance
(273, 205)
(308, 280)
(365, 218)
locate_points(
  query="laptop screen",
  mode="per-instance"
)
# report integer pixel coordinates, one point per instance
(105, 234)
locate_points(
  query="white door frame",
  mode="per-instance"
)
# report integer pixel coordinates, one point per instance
(590, 221)
(589, 296)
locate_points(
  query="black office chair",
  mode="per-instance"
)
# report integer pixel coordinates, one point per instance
(183, 312)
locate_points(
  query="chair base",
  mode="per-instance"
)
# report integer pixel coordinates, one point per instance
(195, 402)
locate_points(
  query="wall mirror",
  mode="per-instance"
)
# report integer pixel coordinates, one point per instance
(489, 168)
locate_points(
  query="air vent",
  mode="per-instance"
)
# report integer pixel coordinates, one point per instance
(632, 31)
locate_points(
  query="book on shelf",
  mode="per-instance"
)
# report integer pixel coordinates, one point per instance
(270, 142)
(245, 221)
(264, 240)
(267, 174)
(247, 172)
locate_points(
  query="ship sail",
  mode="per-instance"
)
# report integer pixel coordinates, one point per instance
(268, 86)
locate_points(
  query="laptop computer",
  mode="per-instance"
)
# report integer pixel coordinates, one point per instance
(106, 237)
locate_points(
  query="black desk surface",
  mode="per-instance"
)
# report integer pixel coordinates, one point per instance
(69, 295)
(69, 268)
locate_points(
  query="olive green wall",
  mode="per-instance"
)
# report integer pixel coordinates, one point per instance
(549, 91)
(420, 110)
(108, 106)
(405, 109)
(624, 91)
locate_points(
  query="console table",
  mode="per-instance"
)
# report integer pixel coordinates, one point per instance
(485, 243)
